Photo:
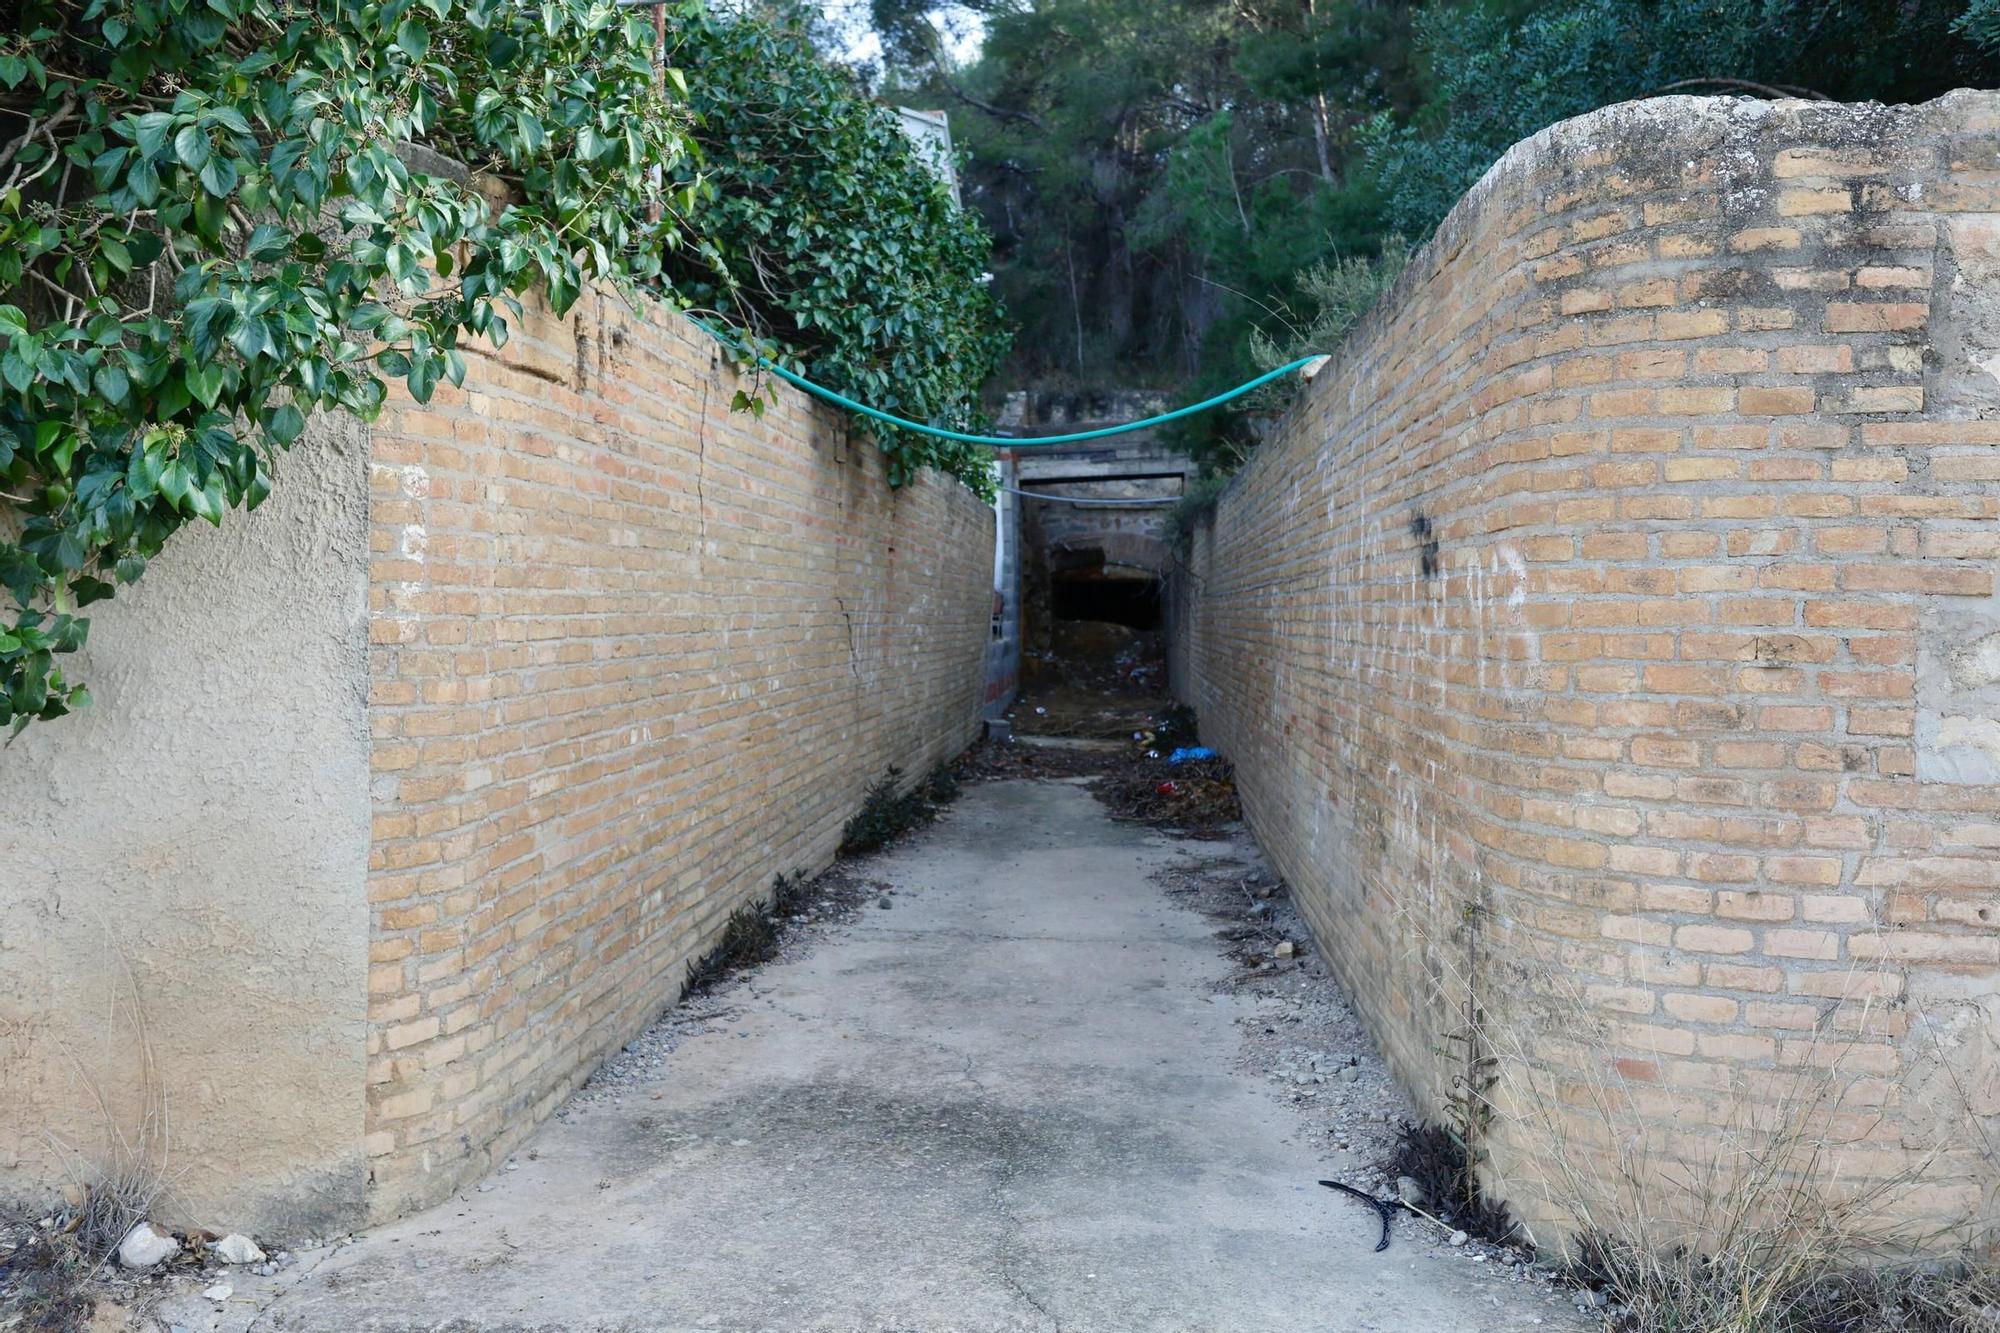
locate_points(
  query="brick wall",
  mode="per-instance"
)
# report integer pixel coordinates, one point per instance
(633, 654)
(1608, 646)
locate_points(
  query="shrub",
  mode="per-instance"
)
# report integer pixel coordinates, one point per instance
(207, 232)
(828, 235)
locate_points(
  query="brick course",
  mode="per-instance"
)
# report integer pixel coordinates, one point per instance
(632, 655)
(1608, 640)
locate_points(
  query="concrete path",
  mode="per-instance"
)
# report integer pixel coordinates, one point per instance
(1009, 1103)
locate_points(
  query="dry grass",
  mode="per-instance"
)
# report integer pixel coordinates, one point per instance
(50, 1277)
(1780, 1211)
(117, 1185)
(1772, 1216)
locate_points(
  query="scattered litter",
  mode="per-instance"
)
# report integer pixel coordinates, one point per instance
(1188, 754)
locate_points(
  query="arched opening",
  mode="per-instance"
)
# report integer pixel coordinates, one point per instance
(1107, 593)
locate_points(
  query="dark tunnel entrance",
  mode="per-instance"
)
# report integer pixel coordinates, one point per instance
(1116, 597)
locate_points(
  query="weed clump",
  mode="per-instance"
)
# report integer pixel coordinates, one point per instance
(941, 787)
(1437, 1160)
(791, 894)
(888, 811)
(748, 938)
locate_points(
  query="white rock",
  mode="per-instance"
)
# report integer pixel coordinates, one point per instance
(1458, 1238)
(143, 1247)
(221, 1291)
(237, 1249)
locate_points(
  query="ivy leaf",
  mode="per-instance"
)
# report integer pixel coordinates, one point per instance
(145, 246)
(284, 424)
(17, 370)
(413, 39)
(150, 131)
(115, 253)
(218, 176)
(69, 552)
(205, 383)
(191, 147)
(87, 590)
(267, 243)
(111, 383)
(143, 182)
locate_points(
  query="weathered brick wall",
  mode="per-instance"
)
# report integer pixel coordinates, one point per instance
(633, 654)
(1608, 647)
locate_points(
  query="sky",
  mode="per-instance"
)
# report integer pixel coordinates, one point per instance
(962, 30)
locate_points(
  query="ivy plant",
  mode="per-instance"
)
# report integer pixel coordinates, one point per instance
(209, 230)
(829, 239)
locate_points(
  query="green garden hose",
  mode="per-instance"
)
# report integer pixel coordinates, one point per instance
(1009, 441)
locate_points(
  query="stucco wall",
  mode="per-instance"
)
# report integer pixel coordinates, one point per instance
(182, 929)
(1605, 642)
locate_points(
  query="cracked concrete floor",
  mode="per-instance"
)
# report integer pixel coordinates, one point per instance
(1009, 1103)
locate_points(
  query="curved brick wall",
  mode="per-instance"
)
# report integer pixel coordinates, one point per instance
(1607, 642)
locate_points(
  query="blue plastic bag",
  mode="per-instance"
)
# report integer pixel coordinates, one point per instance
(1190, 752)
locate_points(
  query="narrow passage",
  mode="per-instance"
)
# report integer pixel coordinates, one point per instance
(1014, 1100)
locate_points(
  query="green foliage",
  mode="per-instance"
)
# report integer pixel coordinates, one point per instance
(1165, 177)
(1194, 506)
(1153, 170)
(1496, 74)
(1333, 296)
(1980, 25)
(206, 233)
(837, 243)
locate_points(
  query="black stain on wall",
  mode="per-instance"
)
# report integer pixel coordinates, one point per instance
(1427, 543)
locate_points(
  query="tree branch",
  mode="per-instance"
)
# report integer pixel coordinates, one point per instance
(1772, 90)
